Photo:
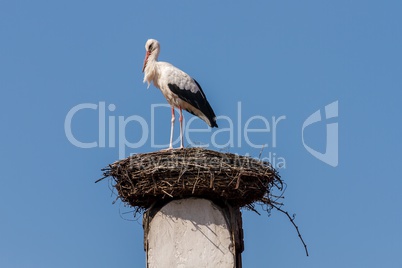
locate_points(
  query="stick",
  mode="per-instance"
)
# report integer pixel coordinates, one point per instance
(101, 179)
(294, 224)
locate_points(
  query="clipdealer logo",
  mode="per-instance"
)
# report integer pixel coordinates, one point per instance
(238, 131)
(111, 131)
(330, 156)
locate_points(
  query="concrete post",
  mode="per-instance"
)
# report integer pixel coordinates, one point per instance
(193, 232)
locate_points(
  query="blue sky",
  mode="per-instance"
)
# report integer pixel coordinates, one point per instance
(273, 58)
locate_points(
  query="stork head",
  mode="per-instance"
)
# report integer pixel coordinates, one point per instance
(152, 48)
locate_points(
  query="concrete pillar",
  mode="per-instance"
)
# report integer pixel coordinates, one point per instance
(193, 232)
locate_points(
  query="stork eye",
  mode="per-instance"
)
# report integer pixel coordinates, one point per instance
(150, 47)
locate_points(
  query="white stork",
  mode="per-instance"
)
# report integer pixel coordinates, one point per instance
(180, 90)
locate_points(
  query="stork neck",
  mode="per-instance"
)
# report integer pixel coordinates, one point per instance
(151, 70)
(151, 65)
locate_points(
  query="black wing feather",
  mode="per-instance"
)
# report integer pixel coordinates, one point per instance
(198, 100)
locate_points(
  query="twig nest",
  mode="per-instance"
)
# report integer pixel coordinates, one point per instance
(143, 179)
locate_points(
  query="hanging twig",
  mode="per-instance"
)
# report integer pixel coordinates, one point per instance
(294, 224)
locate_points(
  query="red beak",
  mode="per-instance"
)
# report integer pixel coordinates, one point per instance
(146, 60)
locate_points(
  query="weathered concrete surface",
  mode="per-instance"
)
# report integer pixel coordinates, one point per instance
(189, 233)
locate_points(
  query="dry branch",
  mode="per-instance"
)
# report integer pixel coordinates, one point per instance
(144, 179)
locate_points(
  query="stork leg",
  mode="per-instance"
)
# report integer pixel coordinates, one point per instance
(171, 130)
(181, 128)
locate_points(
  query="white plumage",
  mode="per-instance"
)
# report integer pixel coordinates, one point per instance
(180, 90)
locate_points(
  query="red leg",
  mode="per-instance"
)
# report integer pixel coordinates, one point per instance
(171, 129)
(181, 128)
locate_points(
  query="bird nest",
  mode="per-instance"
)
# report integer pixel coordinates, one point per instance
(143, 179)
